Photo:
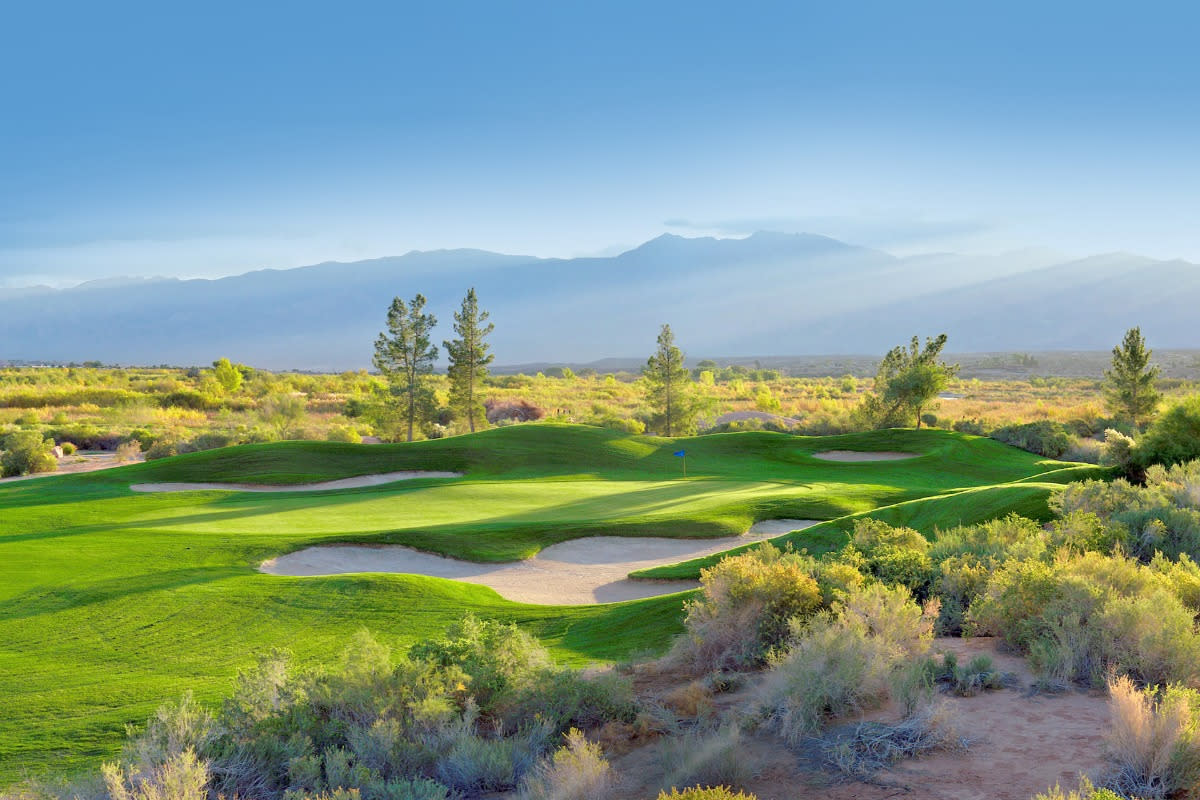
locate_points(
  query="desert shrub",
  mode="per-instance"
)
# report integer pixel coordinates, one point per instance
(975, 427)
(1117, 451)
(1080, 531)
(1086, 791)
(1173, 438)
(745, 606)
(1045, 438)
(68, 448)
(624, 424)
(896, 556)
(26, 453)
(180, 777)
(189, 399)
(845, 660)
(517, 410)
(474, 764)
(576, 771)
(706, 758)
(129, 451)
(1084, 615)
(705, 793)
(1085, 450)
(1154, 740)
(978, 675)
(165, 447)
(343, 433)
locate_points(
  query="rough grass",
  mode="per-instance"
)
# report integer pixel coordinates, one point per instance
(111, 601)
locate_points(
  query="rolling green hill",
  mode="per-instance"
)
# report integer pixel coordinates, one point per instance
(112, 601)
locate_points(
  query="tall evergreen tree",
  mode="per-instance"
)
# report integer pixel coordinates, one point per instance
(1129, 384)
(405, 356)
(669, 383)
(469, 358)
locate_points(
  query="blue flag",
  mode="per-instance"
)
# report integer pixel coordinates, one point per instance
(679, 453)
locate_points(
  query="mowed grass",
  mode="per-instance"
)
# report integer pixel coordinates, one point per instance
(113, 601)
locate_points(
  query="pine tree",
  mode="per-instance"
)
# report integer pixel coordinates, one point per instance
(1129, 384)
(405, 356)
(469, 358)
(668, 384)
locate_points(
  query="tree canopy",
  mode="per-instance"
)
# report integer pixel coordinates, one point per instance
(404, 353)
(469, 358)
(1129, 384)
(669, 385)
(910, 378)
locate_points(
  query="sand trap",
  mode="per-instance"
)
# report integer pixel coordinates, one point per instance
(581, 571)
(851, 456)
(344, 483)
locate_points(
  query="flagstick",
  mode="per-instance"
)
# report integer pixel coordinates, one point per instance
(684, 460)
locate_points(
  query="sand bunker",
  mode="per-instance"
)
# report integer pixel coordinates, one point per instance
(856, 455)
(581, 571)
(344, 483)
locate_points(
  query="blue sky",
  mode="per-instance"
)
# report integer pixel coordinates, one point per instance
(142, 139)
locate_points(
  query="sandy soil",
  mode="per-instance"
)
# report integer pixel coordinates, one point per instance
(581, 571)
(343, 483)
(851, 456)
(89, 461)
(1023, 744)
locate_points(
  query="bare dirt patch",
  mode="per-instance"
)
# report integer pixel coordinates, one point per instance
(89, 461)
(581, 571)
(851, 456)
(1022, 743)
(358, 482)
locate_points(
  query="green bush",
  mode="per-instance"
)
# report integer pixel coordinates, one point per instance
(1173, 438)
(68, 448)
(1083, 616)
(26, 453)
(896, 556)
(1045, 438)
(343, 433)
(745, 608)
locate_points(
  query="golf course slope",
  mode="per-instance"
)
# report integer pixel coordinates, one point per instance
(112, 600)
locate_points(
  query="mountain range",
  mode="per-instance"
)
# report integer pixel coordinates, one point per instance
(767, 294)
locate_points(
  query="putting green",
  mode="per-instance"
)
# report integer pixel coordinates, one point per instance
(113, 601)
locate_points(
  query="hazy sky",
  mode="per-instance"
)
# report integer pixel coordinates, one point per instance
(144, 139)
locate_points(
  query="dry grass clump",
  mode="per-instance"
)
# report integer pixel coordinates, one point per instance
(576, 771)
(708, 758)
(869, 747)
(1153, 743)
(182, 776)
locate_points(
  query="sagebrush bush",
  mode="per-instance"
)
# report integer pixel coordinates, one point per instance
(470, 712)
(576, 771)
(1086, 791)
(711, 758)
(896, 556)
(1153, 741)
(745, 606)
(182, 776)
(845, 660)
(1084, 615)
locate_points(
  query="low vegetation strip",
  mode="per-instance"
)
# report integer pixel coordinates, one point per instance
(357, 482)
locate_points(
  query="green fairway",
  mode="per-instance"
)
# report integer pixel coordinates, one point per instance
(113, 601)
